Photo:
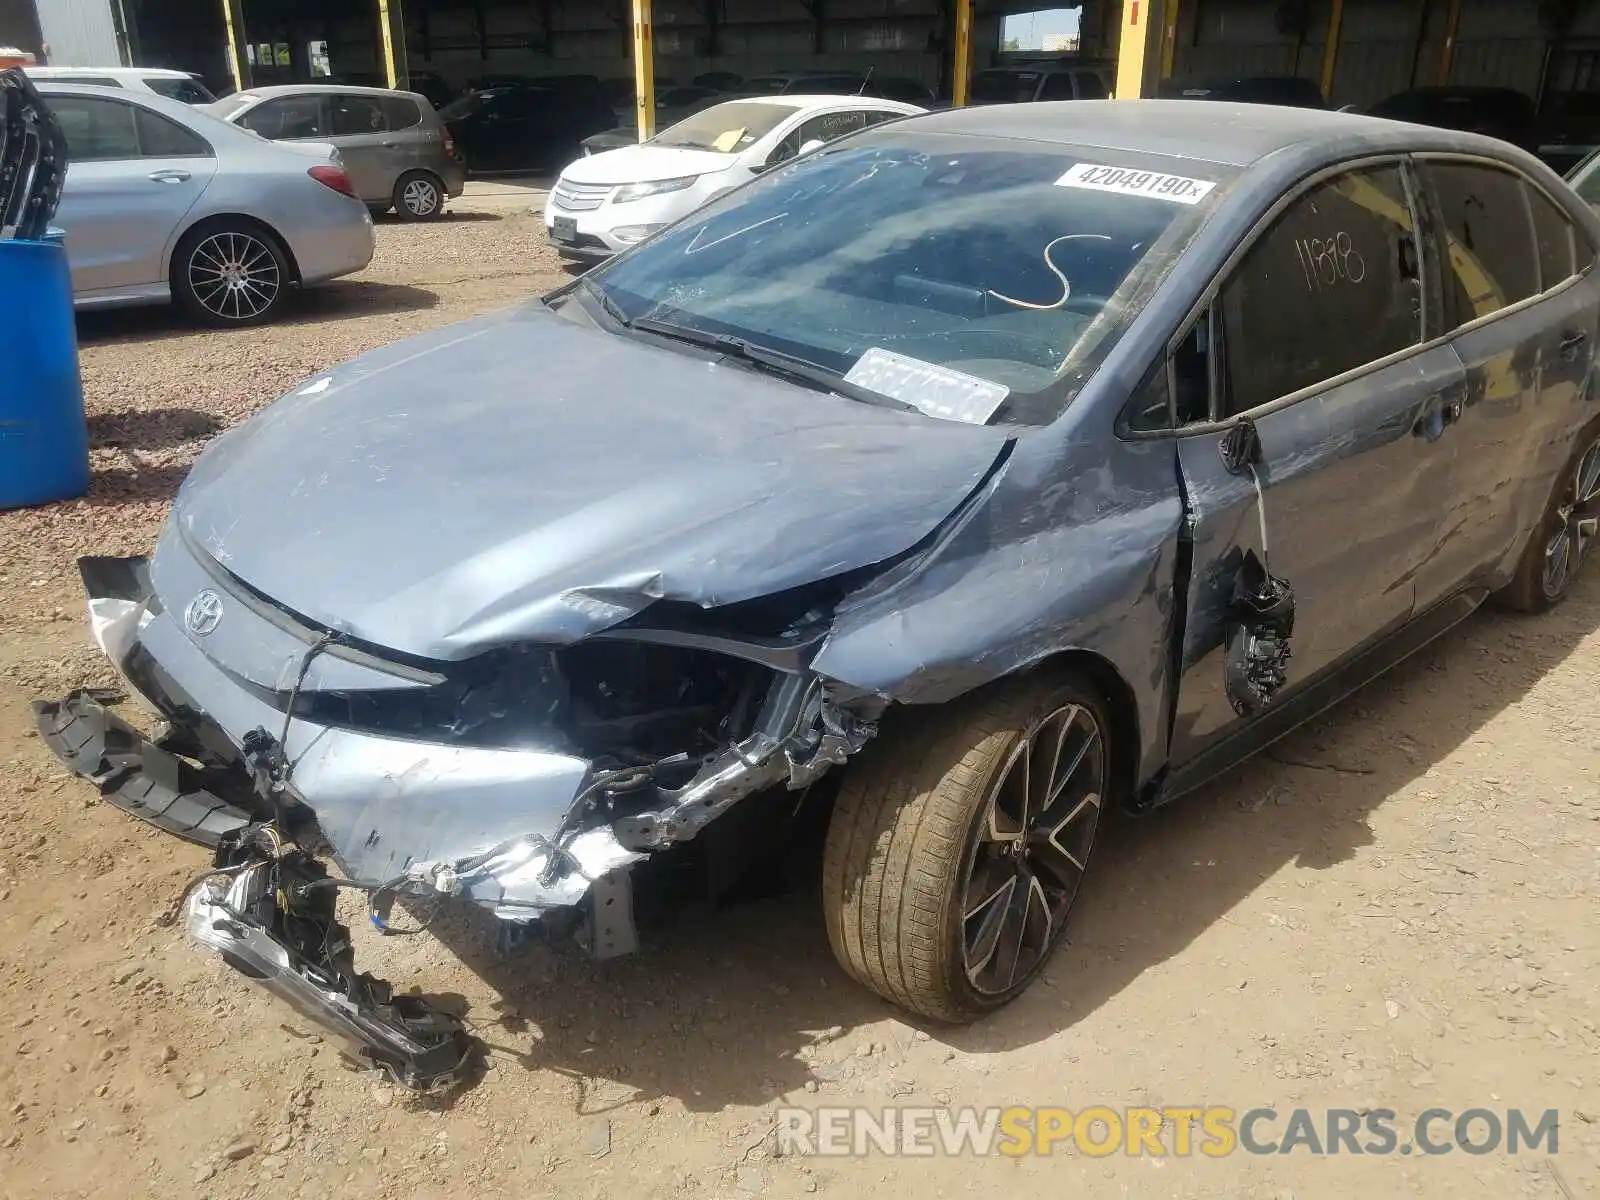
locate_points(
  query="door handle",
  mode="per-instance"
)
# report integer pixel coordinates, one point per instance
(169, 176)
(1431, 421)
(389, 145)
(1572, 342)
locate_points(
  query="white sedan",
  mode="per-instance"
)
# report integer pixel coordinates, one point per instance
(607, 202)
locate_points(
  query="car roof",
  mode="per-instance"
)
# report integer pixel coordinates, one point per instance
(108, 72)
(808, 101)
(273, 91)
(1226, 132)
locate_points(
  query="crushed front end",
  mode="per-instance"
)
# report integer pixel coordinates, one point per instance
(527, 780)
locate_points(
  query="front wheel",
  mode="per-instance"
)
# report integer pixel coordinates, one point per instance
(958, 843)
(1566, 533)
(230, 274)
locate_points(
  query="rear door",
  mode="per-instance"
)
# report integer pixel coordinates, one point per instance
(371, 153)
(415, 143)
(1317, 336)
(134, 176)
(1509, 334)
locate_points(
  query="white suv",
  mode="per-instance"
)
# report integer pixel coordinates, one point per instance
(175, 85)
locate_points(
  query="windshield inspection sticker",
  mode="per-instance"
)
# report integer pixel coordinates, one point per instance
(1179, 189)
(938, 391)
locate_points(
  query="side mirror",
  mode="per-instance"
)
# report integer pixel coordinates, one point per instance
(813, 144)
(1240, 448)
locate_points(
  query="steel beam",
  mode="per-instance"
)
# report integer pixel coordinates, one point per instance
(644, 68)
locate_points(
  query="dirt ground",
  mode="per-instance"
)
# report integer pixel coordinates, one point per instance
(1396, 910)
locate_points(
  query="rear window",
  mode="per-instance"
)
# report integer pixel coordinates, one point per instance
(401, 113)
(189, 91)
(725, 128)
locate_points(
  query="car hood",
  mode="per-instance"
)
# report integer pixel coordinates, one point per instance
(645, 164)
(522, 477)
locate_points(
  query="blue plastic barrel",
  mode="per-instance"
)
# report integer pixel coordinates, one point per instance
(44, 439)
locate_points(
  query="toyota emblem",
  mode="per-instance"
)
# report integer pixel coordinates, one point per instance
(203, 613)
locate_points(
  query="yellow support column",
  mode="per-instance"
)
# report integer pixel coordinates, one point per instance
(238, 58)
(392, 27)
(961, 84)
(644, 68)
(1452, 23)
(1133, 49)
(1169, 37)
(1330, 49)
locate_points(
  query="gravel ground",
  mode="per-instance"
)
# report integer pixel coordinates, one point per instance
(1395, 910)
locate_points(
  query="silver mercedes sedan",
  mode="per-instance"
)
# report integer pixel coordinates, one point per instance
(165, 203)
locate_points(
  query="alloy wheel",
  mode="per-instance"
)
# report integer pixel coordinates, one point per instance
(420, 197)
(234, 276)
(1577, 525)
(1032, 848)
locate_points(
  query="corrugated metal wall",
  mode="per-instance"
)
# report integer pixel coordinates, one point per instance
(1385, 45)
(896, 37)
(80, 33)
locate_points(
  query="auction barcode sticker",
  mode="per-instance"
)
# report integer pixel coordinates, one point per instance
(1126, 181)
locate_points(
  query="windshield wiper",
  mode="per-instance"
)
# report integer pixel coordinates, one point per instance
(775, 362)
(611, 308)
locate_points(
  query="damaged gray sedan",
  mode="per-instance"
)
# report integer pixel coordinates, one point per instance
(972, 476)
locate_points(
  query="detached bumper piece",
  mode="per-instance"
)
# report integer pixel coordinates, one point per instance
(133, 773)
(270, 913)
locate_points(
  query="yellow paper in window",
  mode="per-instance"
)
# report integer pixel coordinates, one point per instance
(727, 141)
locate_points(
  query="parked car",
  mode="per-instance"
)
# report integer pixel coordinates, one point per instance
(175, 85)
(1569, 130)
(1026, 84)
(433, 86)
(1494, 112)
(672, 106)
(1290, 90)
(956, 484)
(609, 201)
(397, 150)
(1584, 179)
(515, 128)
(810, 83)
(164, 202)
(722, 81)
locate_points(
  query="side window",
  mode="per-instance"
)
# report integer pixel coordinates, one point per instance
(352, 116)
(161, 138)
(1491, 261)
(1552, 232)
(96, 129)
(832, 125)
(290, 117)
(1091, 86)
(401, 113)
(1333, 284)
(1057, 87)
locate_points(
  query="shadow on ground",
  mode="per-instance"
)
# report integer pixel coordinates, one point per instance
(339, 300)
(150, 429)
(714, 1009)
(448, 217)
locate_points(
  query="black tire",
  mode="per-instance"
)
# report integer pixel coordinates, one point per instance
(418, 196)
(231, 273)
(1565, 536)
(912, 846)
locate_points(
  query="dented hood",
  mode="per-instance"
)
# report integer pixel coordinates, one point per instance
(521, 477)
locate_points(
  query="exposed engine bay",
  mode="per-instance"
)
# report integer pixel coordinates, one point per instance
(592, 757)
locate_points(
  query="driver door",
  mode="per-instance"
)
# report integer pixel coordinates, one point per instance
(1316, 338)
